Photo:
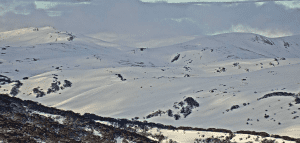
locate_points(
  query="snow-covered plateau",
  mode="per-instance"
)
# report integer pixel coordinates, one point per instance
(234, 81)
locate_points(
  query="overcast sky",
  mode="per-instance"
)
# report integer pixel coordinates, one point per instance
(153, 18)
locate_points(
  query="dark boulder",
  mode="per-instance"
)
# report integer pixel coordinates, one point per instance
(175, 58)
(234, 107)
(67, 83)
(191, 102)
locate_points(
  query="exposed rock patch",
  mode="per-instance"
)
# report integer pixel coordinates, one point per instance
(297, 100)
(38, 92)
(175, 58)
(221, 69)
(262, 39)
(55, 86)
(67, 83)
(6, 80)
(121, 77)
(184, 108)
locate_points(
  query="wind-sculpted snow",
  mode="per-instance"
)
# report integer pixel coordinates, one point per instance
(33, 36)
(210, 81)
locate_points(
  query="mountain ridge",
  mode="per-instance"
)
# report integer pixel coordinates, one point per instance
(218, 72)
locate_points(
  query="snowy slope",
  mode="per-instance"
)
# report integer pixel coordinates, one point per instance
(112, 80)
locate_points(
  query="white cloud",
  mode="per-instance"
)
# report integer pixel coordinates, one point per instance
(51, 4)
(45, 4)
(154, 19)
(289, 4)
(272, 33)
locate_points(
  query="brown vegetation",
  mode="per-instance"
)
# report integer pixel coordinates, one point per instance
(19, 124)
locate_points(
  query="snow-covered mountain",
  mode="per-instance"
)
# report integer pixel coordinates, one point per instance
(208, 82)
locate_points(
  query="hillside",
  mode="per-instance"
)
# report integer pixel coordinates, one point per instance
(28, 121)
(210, 82)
